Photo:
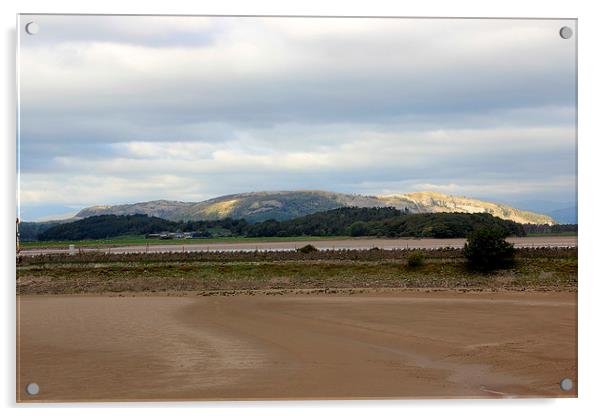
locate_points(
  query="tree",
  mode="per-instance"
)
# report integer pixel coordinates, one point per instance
(487, 249)
(358, 228)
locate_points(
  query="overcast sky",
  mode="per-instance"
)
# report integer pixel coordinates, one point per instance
(128, 109)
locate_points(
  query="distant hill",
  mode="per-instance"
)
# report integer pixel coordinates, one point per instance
(564, 215)
(284, 205)
(260, 206)
(161, 208)
(425, 202)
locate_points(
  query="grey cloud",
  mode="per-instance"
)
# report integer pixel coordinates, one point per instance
(276, 90)
(155, 31)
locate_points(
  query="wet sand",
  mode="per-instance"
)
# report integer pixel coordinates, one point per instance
(392, 344)
(355, 244)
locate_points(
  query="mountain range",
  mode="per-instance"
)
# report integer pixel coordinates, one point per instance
(284, 205)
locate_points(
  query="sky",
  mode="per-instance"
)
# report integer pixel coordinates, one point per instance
(136, 108)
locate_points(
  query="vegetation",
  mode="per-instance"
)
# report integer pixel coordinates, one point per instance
(545, 229)
(348, 221)
(487, 249)
(358, 228)
(307, 249)
(371, 255)
(30, 231)
(442, 225)
(105, 226)
(141, 239)
(416, 259)
(384, 222)
(323, 271)
(339, 221)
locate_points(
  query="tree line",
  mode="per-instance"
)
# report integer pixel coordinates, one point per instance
(106, 226)
(550, 229)
(348, 221)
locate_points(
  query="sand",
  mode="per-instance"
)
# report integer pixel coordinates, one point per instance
(379, 345)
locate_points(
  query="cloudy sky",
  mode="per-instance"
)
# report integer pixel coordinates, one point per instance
(128, 109)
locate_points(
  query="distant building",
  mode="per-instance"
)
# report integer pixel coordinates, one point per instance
(167, 235)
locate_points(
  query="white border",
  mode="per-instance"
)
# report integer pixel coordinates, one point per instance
(590, 34)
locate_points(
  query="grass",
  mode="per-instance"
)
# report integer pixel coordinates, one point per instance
(140, 240)
(561, 234)
(172, 274)
(372, 255)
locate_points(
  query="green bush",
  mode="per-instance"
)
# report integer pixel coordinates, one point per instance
(487, 249)
(415, 259)
(307, 249)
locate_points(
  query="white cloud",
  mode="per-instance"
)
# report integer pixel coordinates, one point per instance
(154, 170)
(188, 108)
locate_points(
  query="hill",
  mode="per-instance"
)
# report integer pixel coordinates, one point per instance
(161, 208)
(285, 205)
(352, 221)
(564, 215)
(425, 202)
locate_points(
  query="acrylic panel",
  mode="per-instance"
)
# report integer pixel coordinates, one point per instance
(268, 208)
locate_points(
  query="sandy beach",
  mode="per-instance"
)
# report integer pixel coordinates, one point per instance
(386, 344)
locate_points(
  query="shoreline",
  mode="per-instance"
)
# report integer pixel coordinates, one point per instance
(311, 292)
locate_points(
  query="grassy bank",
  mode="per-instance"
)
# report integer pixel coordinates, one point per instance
(562, 234)
(540, 269)
(141, 240)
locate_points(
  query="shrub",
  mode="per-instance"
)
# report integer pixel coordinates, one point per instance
(415, 259)
(307, 249)
(487, 249)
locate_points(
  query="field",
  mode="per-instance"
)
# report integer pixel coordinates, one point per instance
(141, 240)
(552, 268)
(291, 244)
(561, 234)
